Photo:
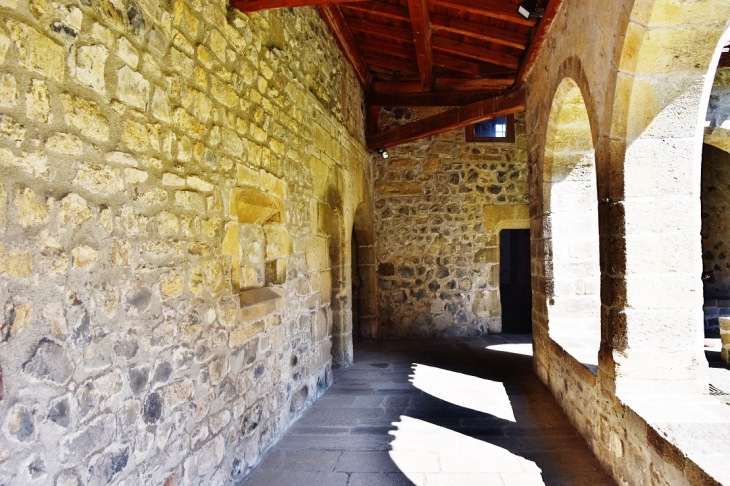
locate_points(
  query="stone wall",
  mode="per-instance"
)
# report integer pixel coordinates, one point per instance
(164, 270)
(439, 205)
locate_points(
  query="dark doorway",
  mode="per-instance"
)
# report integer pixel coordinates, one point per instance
(514, 281)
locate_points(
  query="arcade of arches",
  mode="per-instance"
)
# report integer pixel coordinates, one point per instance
(193, 234)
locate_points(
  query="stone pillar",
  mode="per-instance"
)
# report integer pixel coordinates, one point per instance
(725, 335)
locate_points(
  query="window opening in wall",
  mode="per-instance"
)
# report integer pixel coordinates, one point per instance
(571, 210)
(500, 129)
(714, 198)
(514, 281)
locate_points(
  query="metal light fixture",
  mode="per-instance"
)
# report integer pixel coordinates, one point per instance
(529, 9)
(383, 153)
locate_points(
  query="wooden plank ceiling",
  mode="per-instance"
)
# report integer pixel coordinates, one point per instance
(431, 52)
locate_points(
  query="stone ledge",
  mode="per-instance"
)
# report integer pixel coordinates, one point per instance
(259, 303)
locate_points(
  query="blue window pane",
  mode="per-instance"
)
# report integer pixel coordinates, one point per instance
(495, 128)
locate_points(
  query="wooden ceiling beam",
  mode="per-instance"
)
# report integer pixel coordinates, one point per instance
(421, 25)
(390, 64)
(472, 84)
(475, 52)
(479, 31)
(506, 104)
(445, 61)
(433, 98)
(488, 8)
(258, 5)
(337, 25)
(538, 39)
(387, 48)
(382, 9)
(444, 84)
(382, 30)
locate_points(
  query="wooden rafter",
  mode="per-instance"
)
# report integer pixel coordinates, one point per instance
(381, 30)
(444, 84)
(472, 84)
(488, 8)
(432, 98)
(538, 40)
(507, 104)
(475, 52)
(479, 31)
(337, 25)
(389, 63)
(381, 9)
(404, 51)
(257, 5)
(455, 64)
(421, 25)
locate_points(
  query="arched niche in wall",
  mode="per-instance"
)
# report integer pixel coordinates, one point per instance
(570, 206)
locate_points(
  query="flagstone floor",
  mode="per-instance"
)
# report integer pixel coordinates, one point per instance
(459, 411)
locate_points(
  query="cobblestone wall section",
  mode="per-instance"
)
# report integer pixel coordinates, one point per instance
(136, 140)
(438, 266)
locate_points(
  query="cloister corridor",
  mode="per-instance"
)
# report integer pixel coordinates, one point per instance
(434, 412)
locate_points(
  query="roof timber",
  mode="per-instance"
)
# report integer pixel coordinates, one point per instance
(421, 25)
(257, 5)
(506, 104)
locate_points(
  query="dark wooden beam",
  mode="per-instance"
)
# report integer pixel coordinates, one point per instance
(372, 121)
(382, 9)
(488, 8)
(387, 48)
(475, 52)
(444, 84)
(479, 31)
(257, 5)
(469, 84)
(389, 63)
(507, 104)
(396, 87)
(538, 39)
(421, 26)
(382, 30)
(443, 60)
(336, 22)
(432, 98)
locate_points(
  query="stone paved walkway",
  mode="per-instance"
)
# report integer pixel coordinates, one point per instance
(433, 412)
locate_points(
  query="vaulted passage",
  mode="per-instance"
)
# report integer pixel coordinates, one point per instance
(459, 411)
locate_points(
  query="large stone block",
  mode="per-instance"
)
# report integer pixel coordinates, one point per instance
(36, 51)
(259, 303)
(253, 206)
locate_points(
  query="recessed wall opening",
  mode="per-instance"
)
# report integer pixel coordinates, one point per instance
(715, 196)
(356, 286)
(514, 281)
(572, 240)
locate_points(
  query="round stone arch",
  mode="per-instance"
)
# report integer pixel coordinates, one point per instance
(569, 81)
(666, 68)
(570, 227)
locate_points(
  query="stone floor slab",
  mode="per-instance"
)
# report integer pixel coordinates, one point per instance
(434, 412)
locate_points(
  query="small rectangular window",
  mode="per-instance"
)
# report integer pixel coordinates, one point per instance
(500, 130)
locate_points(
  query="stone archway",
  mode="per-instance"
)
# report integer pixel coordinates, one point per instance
(662, 89)
(570, 221)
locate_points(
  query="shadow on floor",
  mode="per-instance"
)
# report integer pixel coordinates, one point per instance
(455, 411)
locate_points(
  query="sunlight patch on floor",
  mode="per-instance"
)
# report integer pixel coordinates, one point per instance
(524, 349)
(432, 455)
(465, 391)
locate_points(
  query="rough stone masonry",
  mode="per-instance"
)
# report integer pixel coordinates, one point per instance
(164, 276)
